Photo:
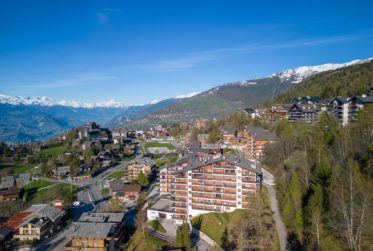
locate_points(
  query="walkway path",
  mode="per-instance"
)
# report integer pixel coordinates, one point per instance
(268, 182)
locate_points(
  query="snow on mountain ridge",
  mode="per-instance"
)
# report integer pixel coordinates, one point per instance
(45, 101)
(300, 73)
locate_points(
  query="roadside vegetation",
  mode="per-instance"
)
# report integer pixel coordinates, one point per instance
(324, 173)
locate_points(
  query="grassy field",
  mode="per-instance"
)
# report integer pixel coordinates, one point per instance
(215, 224)
(37, 184)
(39, 193)
(18, 168)
(150, 243)
(53, 151)
(158, 144)
(156, 225)
(116, 175)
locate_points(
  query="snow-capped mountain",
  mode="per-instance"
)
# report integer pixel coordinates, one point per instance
(296, 75)
(45, 101)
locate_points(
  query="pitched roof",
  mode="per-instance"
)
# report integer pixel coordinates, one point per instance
(102, 217)
(132, 188)
(91, 230)
(262, 134)
(116, 185)
(17, 219)
(234, 160)
(45, 210)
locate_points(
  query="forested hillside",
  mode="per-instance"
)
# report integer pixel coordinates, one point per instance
(325, 182)
(348, 81)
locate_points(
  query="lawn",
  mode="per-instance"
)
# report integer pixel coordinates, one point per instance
(137, 242)
(116, 175)
(53, 151)
(37, 184)
(215, 224)
(156, 225)
(39, 195)
(158, 144)
(19, 168)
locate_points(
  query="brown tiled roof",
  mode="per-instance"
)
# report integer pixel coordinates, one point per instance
(17, 219)
(132, 188)
(9, 191)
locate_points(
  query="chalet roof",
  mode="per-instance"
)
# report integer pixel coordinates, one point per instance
(46, 210)
(7, 181)
(234, 160)
(310, 99)
(132, 188)
(23, 178)
(262, 134)
(362, 99)
(341, 100)
(102, 217)
(116, 185)
(91, 230)
(17, 219)
(306, 107)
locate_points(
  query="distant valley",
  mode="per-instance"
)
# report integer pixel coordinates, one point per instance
(33, 119)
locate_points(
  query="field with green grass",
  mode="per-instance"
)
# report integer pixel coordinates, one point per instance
(116, 175)
(150, 243)
(156, 225)
(40, 191)
(18, 168)
(215, 224)
(159, 144)
(53, 151)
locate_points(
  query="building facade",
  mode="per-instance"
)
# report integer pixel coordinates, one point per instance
(220, 184)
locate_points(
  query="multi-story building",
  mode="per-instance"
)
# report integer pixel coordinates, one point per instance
(136, 166)
(166, 172)
(35, 222)
(203, 138)
(96, 231)
(256, 139)
(340, 109)
(220, 184)
(304, 112)
(357, 103)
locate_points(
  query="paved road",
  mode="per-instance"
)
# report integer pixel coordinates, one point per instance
(91, 201)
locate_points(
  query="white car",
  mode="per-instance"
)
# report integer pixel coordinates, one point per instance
(76, 203)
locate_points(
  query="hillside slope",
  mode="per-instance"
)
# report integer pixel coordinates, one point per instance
(348, 81)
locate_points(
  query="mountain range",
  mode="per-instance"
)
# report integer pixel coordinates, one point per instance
(38, 118)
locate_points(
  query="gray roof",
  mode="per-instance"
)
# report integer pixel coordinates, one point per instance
(307, 107)
(234, 160)
(116, 185)
(23, 179)
(262, 134)
(46, 210)
(162, 205)
(341, 100)
(63, 169)
(89, 229)
(363, 99)
(7, 182)
(102, 217)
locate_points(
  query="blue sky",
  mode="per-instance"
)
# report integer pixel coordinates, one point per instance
(139, 51)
